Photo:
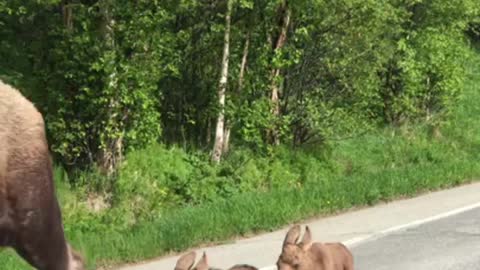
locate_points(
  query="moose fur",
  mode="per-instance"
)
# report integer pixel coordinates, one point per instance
(30, 218)
(186, 262)
(306, 255)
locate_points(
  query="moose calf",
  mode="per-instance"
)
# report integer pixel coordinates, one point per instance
(186, 261)
(306, 255)
(30, 218)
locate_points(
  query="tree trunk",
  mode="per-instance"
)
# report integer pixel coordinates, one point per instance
(226, 137)
(222, 87)
(243, 65)
(110, 154)
(284, 13)
(209, 131)
(67, 15)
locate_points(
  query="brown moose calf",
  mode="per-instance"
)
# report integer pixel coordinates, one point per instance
(306, 255)
(30, 218)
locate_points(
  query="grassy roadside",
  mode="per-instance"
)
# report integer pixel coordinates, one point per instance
(362, 171)
(263, 212)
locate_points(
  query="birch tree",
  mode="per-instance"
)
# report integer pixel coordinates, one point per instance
(222, 87)
(278, 44)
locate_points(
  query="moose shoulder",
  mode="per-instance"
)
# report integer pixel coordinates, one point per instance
(30, 218)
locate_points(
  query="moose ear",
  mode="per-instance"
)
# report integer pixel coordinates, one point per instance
(292, 235)
(186, 261)
(306, 239)
(203, 263)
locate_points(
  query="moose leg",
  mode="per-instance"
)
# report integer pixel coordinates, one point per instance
(39, 233)
(43, 244)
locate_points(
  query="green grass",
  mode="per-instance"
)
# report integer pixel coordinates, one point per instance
(243, 214)
(380, 166)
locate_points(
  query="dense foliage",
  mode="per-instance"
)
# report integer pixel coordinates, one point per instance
(111, 76)
(116, 76)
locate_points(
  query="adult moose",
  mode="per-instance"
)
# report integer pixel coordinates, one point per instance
(30, 218)
(306, 255)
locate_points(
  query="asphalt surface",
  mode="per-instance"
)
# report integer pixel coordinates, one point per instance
(450, 243)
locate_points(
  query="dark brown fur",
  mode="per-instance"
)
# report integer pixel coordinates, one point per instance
(30, 218)
(186, 262)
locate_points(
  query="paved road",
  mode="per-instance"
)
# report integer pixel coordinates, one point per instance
(447, 244)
